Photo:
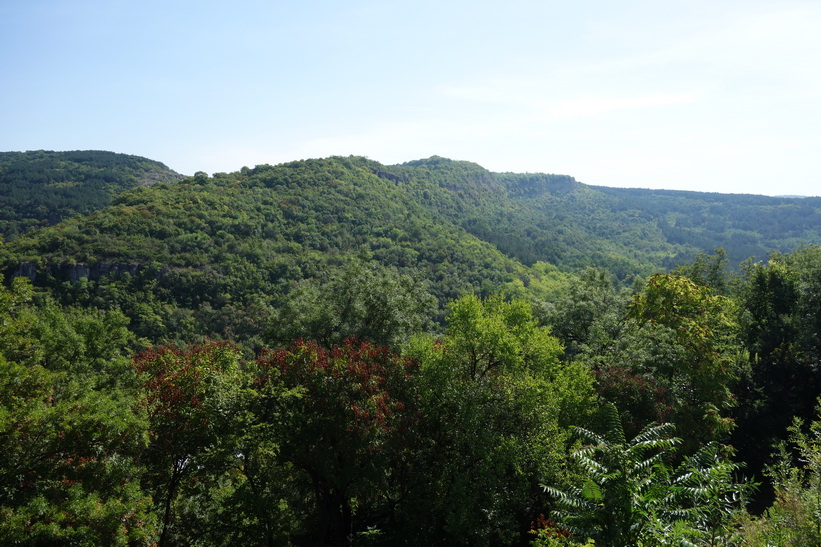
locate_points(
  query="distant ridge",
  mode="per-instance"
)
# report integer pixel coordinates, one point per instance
(225, 250)
(528, 217)
(40, 188)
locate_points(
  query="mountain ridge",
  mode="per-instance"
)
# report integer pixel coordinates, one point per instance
(42, 187)
(555, 218)
(215, 246)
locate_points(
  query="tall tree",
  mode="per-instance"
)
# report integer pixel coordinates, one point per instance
(70, 429)
(675, 358)
(495, 401)
(344, 428)
(704, 360)
(781, 320)
(188, 395)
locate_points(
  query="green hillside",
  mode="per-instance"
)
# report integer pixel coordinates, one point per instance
(41, 188)
(743, 224)
(212, 248)
(335, 351)
(202, 250)
(556, 219)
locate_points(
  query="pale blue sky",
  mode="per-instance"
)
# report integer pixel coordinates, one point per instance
(699, 95)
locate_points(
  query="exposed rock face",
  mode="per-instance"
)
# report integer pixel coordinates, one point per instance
(103, 270)
(76, 272)
(26, 269)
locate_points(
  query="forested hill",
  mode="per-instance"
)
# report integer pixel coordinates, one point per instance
(554, 218)
(528, 217)
(210, 245)
(219, 255)
(40, 188)
(746, 225)
(335, 352)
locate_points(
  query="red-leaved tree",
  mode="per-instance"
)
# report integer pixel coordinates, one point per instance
(181, 392)
(345, 428)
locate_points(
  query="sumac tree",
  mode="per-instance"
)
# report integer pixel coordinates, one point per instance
(186, 394)
(346, 427)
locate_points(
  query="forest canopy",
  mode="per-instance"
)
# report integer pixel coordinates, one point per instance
(337, 351)
(42, 187)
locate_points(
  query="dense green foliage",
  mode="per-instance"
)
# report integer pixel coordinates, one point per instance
(69, 432)
(216, 255)
(220, 256)
(744, 225)
(793, 519)
(338, 351)
(630, 495)
(497, 404)
(42, 188)
(197, 445)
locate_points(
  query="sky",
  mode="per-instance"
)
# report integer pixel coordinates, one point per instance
(714, 95)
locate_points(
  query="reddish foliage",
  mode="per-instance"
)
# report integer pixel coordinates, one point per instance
(175, 384)
(349, 424)
(357, 383)
(547, 528)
